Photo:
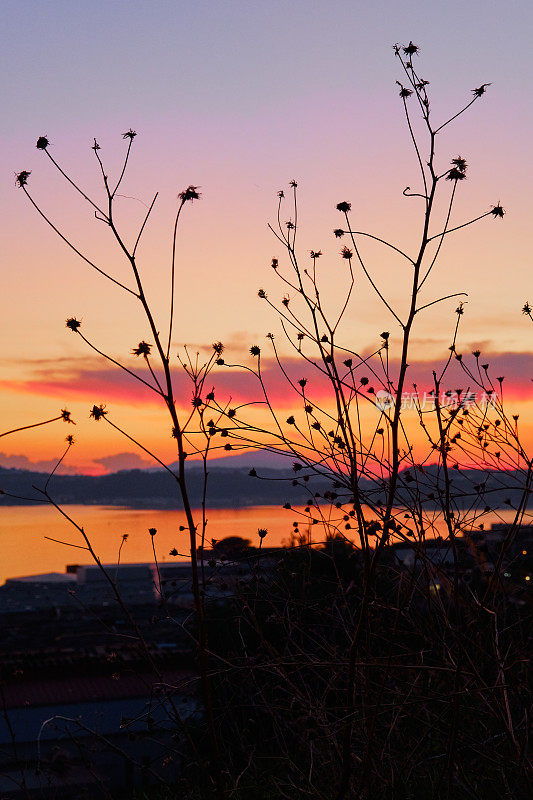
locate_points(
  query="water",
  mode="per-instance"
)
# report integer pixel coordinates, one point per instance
(25, 550)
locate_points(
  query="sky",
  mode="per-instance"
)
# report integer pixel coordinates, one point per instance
(239, 98)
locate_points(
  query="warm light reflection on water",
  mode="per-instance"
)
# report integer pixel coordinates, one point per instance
(24, 550)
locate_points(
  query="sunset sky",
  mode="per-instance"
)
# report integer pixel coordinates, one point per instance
(239, 98)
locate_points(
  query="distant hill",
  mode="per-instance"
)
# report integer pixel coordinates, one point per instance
(231, 487)
(260, 459)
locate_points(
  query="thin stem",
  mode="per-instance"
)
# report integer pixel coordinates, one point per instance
(74, 185)
(34, 425)
(84, 258)
(173, 269)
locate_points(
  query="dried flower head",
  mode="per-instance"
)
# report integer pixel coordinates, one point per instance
(460, 163)
(411, 49)
(404, 91)
(262, 294)
(95, 146)
(131, 134)
(142, 349)
(262, 532)
(42, 143)
(293, 184)
(344, 207)
(275, 263)
(152, 531)
(65, 416)
(190, 193)
(290, 225)
(97, 412)
(338, 232)
(526, 308)
(218, 347)
(480, 90)
(497, 211)
(346, 253)
(197, 401)
(255, 350)
(69, 440)
(21, 179)
(315, 253)
(73, 324)
(291, 420)
(455, 174)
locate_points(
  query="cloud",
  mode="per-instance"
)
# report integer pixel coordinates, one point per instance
(119, 461)
(237, 385)
(22, 462)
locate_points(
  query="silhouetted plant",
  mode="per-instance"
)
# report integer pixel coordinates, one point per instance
(381, 658)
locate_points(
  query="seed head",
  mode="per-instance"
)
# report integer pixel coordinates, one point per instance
(131, 134)
(65, 416)
(455, 174)
(497, 211)
(190, 193)
(404, 92)
(460, 163)
(22, 178)
(97, 412)
(346, 253)
(481, 89)
(73, 324)
(411, 49)
(255, 350)
(344, 207)
(142, 349)
(42, 143)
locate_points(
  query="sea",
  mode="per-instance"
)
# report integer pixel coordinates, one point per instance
(39, 539)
